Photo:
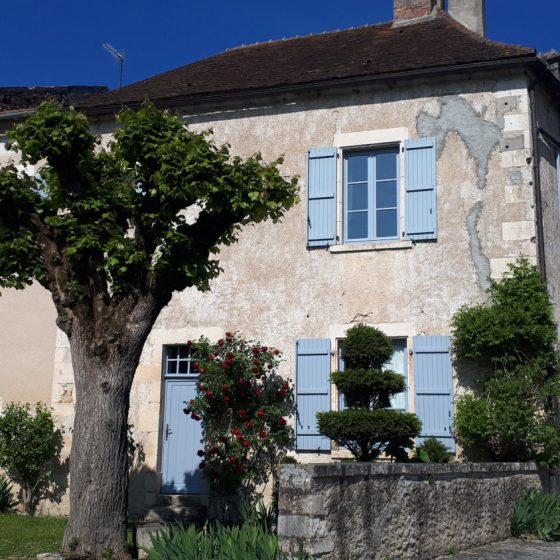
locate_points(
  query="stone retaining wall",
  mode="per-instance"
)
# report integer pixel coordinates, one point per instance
(382, 511)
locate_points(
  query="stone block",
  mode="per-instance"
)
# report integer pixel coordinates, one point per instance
(518, 231)
(515, 122)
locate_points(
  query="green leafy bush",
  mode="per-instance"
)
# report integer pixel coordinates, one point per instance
(511, 417)
(537, 514)
(29, 447)
(432, 451)
(244, 404)
(7, 502)
(216, 542)
(368, 428)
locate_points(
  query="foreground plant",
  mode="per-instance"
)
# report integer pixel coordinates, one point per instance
(369, 427)
(538, 515)
(30, 445)
(244, 405)
(7, 501)
(105, 229)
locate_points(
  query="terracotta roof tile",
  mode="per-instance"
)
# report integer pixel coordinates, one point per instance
(362, 52)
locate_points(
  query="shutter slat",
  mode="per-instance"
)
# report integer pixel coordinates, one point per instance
(433, 387)
(420, 185)
(312, 392)
(321, 197)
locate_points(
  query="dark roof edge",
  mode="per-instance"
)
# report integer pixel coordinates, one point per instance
(409, 74)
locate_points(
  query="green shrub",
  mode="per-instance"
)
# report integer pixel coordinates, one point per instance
(368, 433)
(366, 348)
(368, 428)
(216, 542)
(432, 451)
(7, 502)
(29, 447)
(537, 514)
(511, 418)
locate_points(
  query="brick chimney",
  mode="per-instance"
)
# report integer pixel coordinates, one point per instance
(470, 13)
(405, 10)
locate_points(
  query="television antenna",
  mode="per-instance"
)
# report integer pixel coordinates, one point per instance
(118, 56)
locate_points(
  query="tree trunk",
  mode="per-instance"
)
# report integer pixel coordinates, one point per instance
(103, 374)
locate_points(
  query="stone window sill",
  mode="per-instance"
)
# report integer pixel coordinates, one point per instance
(363, 247)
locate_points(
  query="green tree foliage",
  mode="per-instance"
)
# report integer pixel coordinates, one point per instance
(112, 230)
(512, 417)
(243, 404)
(29, 448)
(432, 451)
(369, 428)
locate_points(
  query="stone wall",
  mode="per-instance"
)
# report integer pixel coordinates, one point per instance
(376, 511)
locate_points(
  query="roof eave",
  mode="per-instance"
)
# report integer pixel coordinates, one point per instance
(408, 74)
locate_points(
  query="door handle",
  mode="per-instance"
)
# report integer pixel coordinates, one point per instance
(168, 431)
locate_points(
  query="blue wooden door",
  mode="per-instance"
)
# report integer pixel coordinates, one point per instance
(182, 438)
(433, 386)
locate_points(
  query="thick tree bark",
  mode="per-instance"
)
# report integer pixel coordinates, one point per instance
(105, 354)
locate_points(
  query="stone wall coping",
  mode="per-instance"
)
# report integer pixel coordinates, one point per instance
(351, 469)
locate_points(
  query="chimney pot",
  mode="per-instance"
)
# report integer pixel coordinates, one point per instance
(470, 13)
(405, 10)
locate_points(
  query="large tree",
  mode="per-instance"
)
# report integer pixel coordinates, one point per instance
(112, 231)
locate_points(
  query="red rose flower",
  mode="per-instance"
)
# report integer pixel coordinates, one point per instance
(189, 343)
(270, 366)
(211, 357)
(200, 453)
(245, 443)
(224, 439)
(262, 435)
(225, 365)
(227, 399)
(249, 424)
(241, 381)
(186, 411)
(191, 401)
(257, 362)
(230, 355)
(286, 385)
(255, 350)
(235, 431)
(214, 451)
(282, 421)
(202, 465)
(264, 349)
(209, 394)
(229, 335)
(196, 365)
(282, 393)
(221, 342)
(255, 370)
(232, 459)
(242, 412)
(258, 392)
(195, 416)
(261, 413)
(238, 437)
(276, 351)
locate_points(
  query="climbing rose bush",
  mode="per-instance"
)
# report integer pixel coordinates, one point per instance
(244, 406)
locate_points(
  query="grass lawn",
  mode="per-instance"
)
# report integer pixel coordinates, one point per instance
(24, 537)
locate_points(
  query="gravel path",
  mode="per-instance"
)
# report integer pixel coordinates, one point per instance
(510, 550)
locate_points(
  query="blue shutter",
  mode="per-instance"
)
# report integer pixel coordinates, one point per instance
(321, 197)
(433, 386)
(420, 185)
(313, 392)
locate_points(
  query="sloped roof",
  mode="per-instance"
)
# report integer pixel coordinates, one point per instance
(26, 98)
(370, 51)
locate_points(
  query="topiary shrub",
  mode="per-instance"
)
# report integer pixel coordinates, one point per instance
(368, 427)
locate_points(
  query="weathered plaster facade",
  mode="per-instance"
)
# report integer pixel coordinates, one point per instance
(276, 290)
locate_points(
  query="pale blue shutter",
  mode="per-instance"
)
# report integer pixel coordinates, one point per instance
(433, 386)
(321, 197)
(420, 187)
(313, 392)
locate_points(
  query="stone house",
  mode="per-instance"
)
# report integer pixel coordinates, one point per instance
(427, 156)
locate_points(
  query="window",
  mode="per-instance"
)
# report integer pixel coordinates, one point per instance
(398, 363)
(178, 361)
(371, 195)
(371, 191)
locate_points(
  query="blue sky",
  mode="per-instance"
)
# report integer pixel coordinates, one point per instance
(58, 42)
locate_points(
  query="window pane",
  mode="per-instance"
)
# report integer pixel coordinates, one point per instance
(357, 196)
(172, 352)
(171, 367)
(357, 225)
(387, 225)
(183, 367)
(386, 194)
(184, 351)
(357, 168)
(386, 166)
